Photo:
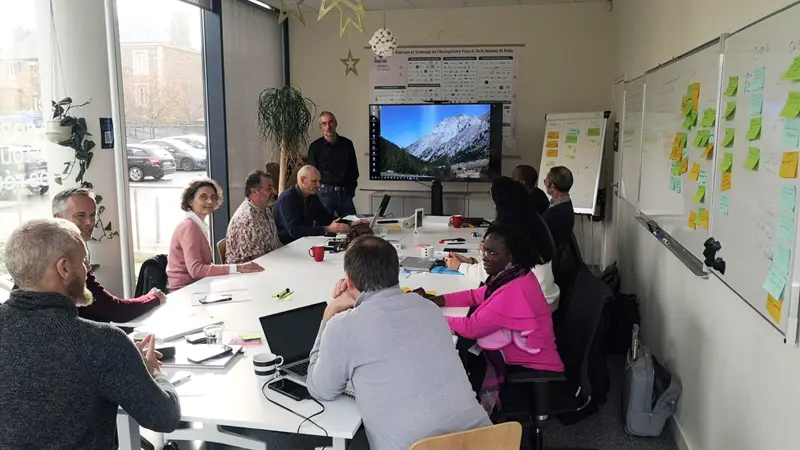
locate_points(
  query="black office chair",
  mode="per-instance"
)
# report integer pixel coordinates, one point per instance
(580, 344)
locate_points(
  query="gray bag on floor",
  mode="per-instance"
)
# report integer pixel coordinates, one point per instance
(650, 394)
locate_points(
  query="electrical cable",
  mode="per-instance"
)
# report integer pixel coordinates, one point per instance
(305, 419)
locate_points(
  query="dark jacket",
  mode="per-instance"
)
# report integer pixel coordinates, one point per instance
(62, 378)
(560, 219)
(298, 216)
(337, 162)
(153, 274)
(539, 200)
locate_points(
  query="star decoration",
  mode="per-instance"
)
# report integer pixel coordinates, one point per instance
(284, 14)
(324, 10)
(356, 6)
(350, 63)
(358, 24)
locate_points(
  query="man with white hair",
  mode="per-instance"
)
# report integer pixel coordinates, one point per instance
(62, 378)
(299, 213)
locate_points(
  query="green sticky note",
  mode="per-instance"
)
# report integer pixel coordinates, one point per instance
(756, 104)
(788, 197)
(755, 128)
(709, 117)
(727, 162)
(775, 283)
(699, 194)
(683, 139)
(725, 204)
(676, 168)
(786, 227)
(730, 107)
(698, 138)
(793, 74)
(792, 107)
(782, 259)
(702, 178)
(594, 132)
(753, 155)
(730, 133)
(571, 139)
(704, 139)
(791, 133)
(733, 85)
(757, 80)
(687, 108)
(691, 119)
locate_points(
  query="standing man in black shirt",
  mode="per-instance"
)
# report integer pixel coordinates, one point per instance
(560, 216)
(335, 158)
(527, 176)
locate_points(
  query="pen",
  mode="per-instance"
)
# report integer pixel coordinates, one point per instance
(285, 294)
(182, 380)
(282, 293)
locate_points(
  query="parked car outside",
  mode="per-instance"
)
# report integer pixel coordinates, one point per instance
(197, 141)
(186, 157)
(149, 161)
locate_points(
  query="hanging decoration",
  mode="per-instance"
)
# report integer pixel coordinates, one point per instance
(384, 41)
(285, 14)
(356, 6)
(350, 63)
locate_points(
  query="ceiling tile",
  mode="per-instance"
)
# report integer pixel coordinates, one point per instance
(437, 3)
(492, 2)
(373, 5)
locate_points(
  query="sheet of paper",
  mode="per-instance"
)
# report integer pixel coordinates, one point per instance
(695, 172)
(775, 283)
(692, 220)
(725, 204)
(552, 134)
(755, 128)
(552, 153)
(709, 150)
(791, 133)
(702, 218)
(730, 133)
(730, 108)
(774, 308)
(725, 183)
(788, 197)
(571, 139)
(757, 80)
(792, 107)
(793, 74)
(786, 227)
(756, 104)
(733, 86)
(702, 178)
(699, 194)
(727, 162)
(788, 165)
(753, 156)
(782, 259)
(594, 132)
(709, 117)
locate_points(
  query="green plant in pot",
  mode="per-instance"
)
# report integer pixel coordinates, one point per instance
(284, 117)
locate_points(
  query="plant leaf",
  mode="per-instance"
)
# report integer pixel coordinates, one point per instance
(57, 179)
(88, 145)
(101, 210)
(95, 267)
(107, 227)
(89, 185)
(65, 101)
(98, 198)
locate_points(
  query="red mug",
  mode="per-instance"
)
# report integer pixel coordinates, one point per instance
(317, 252)
(457, 221)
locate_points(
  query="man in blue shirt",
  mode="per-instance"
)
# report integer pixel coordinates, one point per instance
(299, 213)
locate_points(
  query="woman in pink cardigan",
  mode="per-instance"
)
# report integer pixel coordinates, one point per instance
(509, 321)
(190, 257)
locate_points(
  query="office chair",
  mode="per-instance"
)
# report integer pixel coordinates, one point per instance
(505, 436)
(222, 249)
(580, 344)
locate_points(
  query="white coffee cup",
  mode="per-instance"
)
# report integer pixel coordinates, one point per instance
(426, 252)
(266, 365)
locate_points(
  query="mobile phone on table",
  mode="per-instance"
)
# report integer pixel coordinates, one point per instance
(205, 353)
(216, 298)
(289, 388)
(455, 250)
(197, 338)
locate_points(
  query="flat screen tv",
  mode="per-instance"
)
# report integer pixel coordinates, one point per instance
(446, 142)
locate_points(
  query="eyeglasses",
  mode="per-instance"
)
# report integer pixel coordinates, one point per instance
(491, 254)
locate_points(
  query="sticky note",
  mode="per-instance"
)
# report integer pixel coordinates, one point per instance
(733, 85)
(792, 107)
(788, 197)
(757, 80)
(684, 99)
(788, 165)
(552, 144)
(699, 194)
(793, 74)
(683, 137)
(686, 106)
(755, 128)
(753, 156)
(698, 139)
(684, 165)
(702, 218)
(676, 168)
(725, 183)
(730, 133)
(692, 220)
(695, 97)
(775, 283)
(407, 289)
(706, 136)
(791, 133)
(552, 153)
(709, 117)
(702, 178)
(730, 107)
(594, 132)
(571, 139)
(690, 121)
(782, 259)
(725, 204)
(774, 308)
(695, 172)
(676, 153)
(685, 153)
(675, 184)
(756, 104)
(552, 134)
(786, 227)
(727, 162)
(708, 150)
(574, 131)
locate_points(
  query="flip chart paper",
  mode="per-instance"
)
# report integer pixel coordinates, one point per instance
(725, 184)
(791, 133)
(725, 204)
(727, 162)
(786, 227)
(692, 220)
(757, 80)
(788, 165)
(701, 178)
(792, 107)
(755, 128)
(756, 104)
(730, 108)
(774, 308)
(733, 86)
(700, 194)
(788, 197)
(753, 156)
(793, 74)
(775, 283)
(782, 259)
(695, 172)
(730, 133)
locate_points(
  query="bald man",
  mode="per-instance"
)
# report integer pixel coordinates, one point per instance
(299, 212)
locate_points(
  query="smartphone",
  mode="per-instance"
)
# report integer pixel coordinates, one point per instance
(204, 353)
(455, 250)
(289, 388)
(197, 338)
(216, 298)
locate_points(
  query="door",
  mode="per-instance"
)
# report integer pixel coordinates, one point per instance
(612, 200)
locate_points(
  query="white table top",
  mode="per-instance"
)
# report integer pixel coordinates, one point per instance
(232, 397)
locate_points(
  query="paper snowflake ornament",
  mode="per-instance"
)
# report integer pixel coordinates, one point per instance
(383, 42)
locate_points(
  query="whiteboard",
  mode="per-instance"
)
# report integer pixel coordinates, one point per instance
(632, 121)
(665, 197)
(755, 228)
(575, 140)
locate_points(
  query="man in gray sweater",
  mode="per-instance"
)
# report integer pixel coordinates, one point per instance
(398, 351)
(62, 378)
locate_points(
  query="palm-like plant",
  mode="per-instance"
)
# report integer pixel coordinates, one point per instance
(284, 116)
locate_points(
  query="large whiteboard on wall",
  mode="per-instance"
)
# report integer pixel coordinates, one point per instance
(755, 218)
(671, 173)
(632, 123)
(575, 140)
(456, 74)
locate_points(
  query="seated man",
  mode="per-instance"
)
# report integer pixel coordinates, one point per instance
(527, 176)
(63, 378)
(252, 232)
(299, 213)
(396, 349)
(79, 207)
(560, 216)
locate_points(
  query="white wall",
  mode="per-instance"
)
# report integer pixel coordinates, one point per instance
(739, 379)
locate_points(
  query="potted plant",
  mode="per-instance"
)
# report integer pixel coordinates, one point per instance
(59, 128)
(284, 116)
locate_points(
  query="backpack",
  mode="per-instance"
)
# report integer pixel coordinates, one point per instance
(622, 313)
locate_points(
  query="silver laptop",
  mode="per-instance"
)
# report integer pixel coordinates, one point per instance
(414, 263)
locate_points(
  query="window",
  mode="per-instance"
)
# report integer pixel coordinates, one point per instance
(12, 70)
(142, 95)
(141, 65)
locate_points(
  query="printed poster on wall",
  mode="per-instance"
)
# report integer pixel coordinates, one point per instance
(454, 74)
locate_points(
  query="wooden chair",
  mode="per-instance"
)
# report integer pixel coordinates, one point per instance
(222, 248)
(505, 436)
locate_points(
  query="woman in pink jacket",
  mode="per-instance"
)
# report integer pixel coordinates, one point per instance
(190, 256)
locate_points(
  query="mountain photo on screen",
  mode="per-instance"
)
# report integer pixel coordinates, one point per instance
(435, 141)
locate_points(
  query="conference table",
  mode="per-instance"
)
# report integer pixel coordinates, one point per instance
(233, 397)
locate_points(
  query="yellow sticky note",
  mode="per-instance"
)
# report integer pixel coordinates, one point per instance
(684, 99)
(552, 144)
(792, 107)
(692, 220)
(552, 153)
(788, 165)
(700, 194)
(684, 165)
(695, 172)
(702, 218)
(676, 154)
(250, 336)
(725, 184)
(774, 308)
(406, 289)
(708, 151)
(755, 128)
(552, 135)
(753, 156)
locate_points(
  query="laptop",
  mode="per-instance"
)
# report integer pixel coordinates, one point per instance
(291, 334)
(415, 263)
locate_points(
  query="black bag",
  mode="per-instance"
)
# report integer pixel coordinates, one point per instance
(623, 313)
(610, 276)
